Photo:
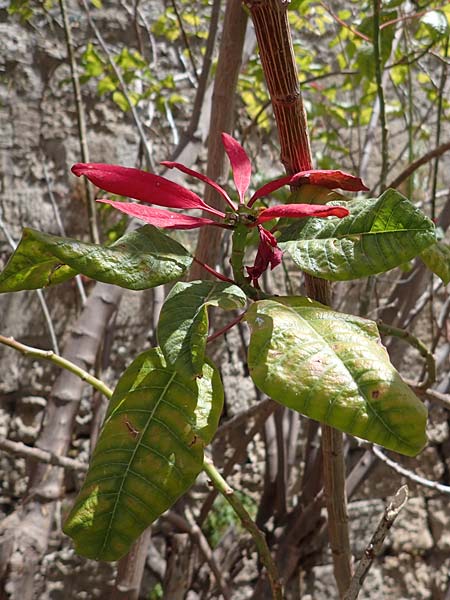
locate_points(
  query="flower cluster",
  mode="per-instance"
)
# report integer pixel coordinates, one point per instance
(157, 190)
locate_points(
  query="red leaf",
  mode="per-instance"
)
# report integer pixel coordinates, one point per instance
(141, 185)
(268, 255)
(296, 211)
(160, 217)
(174, 165)
(328, 179)
(240, 164)
(331, 179)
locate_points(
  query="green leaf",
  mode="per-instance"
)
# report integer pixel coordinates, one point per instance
(331, 367)
(138, 260)
(437, 259)
(378, 235)
(33, 265)
(149, 453)
(183, 323)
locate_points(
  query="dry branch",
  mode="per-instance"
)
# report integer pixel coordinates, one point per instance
(376, 543)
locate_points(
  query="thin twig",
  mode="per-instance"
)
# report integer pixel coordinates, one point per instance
(247, 522)
(190, 526)
(438, 130)
(423, 160)
(343, 23)
(434, 396)
(78, 279)
(39, 293)
(51, 356)
(376, 543)
(19, 449)
(172, 124)
(416, 343)
(92, 214)
(148, 155)
(380, 91)
(434, 485)
(203, 79)
(226, 328)
(245, 415)
(239, 452)
(415, 15)
(185, 38)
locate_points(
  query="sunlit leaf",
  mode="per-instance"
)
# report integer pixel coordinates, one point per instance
(149, 452)
(138, 260)
(378, 235)
(331, 367)
(183, 322)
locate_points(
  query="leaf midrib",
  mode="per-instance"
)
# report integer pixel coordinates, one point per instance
(130, 462)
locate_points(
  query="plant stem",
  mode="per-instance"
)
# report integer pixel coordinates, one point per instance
(237, 260)
(247, 522)
(92, 214)
(278, 60)
(59, 361)
(416, 343)
(380, 91)
(334, 486)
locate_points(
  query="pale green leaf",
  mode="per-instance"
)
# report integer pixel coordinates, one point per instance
(332, 367)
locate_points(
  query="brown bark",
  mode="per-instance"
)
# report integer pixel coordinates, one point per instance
(222, 119)
(278, 61)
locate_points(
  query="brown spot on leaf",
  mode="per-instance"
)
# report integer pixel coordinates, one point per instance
(133, 431)
(375, 393)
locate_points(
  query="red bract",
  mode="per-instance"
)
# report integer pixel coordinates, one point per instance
(240, 164)
(268, 255)
(153, 189)
(296, 211)
(160, 217)
(328, 179)
(142, 186)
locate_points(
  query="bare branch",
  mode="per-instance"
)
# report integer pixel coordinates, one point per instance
(334, 488)
(423, 160)
(434, 485)
(376, 543)
(20, 449)
(190, 526)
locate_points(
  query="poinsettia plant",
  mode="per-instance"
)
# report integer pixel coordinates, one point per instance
(165, 409)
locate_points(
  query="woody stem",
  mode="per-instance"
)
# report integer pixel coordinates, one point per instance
(272, 30)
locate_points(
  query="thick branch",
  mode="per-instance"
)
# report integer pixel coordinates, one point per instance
(222, 119)
(277, 57)
(334, 486)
